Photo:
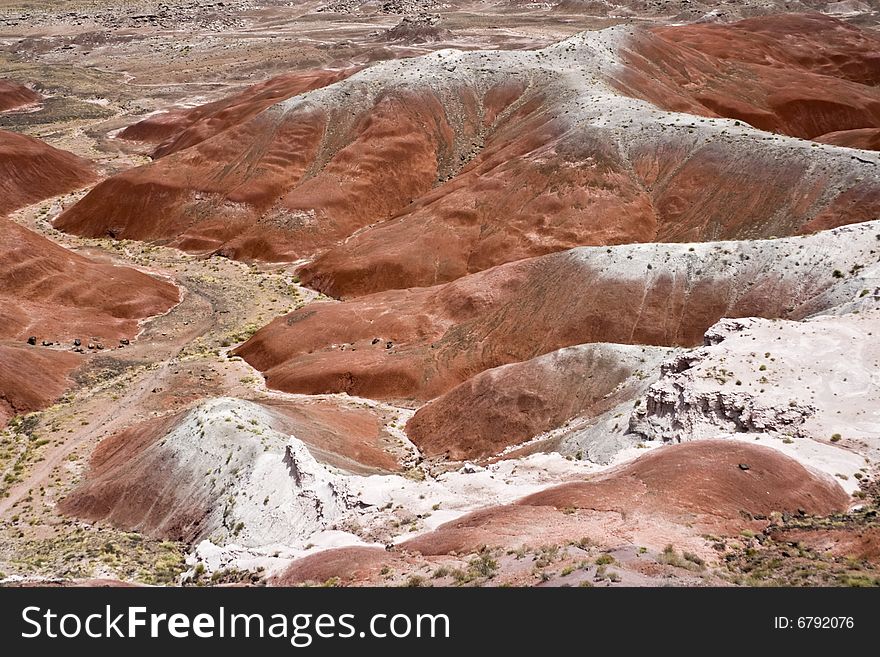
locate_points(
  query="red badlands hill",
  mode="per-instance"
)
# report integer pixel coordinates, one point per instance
(31, 170)
(51, 293)
(417, 344)
(348, 438)
(481, 158)
(297, 177)
(32, 378)
(510, 404)
(864, 138)
(151, 477)
(349, 564)
(118, 488)
(57, 295)
(181, 128)
(671, 492)
(803, 75)
(674, 494)
(14, 95)
(671, 188)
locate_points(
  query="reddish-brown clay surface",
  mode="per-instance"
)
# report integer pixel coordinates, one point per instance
(856, 204)
(31, 170)
(803, 75)
(350, 564)
(418, 344)
(128, 492)
(350, 438)
(56, 295)
(530, 191)
(32, 378)
(703, 478)
(507, 206)
(51, 293)
(14, 95)
(698, 485)
(508, 525)
(864, 138)
(510, 404)
(293, 179)
(181, 128)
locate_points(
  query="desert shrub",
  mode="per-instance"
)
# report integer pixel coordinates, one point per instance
(687, 560)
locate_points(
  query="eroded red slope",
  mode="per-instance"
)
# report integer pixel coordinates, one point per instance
(348, 564)
(515, 203)
(45, 284)
(14, 95)
(484, 158)
(803, 75)
(349, 438)
(55, 294)
(419, 343)
(31, 379)
(293, 179)
(674, 491)
(181, 128)
(510, 404)
(863, 138)
(51, 293)
(31, 170)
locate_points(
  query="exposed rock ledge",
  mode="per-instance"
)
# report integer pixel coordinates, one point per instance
(813, 379)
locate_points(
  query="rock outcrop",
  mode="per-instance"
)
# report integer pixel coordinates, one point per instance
(795, 380)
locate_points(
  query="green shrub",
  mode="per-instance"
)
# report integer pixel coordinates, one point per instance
(604, 560)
